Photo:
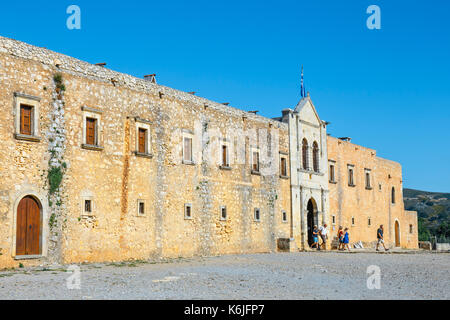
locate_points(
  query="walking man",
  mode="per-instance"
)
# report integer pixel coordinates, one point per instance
(380, 238)
(323, 231)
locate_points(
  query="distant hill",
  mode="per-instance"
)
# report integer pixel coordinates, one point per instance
(433, 210)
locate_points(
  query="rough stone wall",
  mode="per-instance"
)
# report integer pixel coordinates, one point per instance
(361, 203)
(24, 165)
(115, 178)
(409, 223)
(208, 188)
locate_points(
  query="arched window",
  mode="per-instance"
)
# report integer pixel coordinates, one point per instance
(315, 157)
(393, 195)
(305, 154)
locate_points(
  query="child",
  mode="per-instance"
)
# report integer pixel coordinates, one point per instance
(315, 238)
(346, 240)
(340, 237)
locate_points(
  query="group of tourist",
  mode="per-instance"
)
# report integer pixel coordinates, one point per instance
(343, 238)
(323, 233)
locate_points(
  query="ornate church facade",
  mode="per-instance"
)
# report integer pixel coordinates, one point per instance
(98, 165)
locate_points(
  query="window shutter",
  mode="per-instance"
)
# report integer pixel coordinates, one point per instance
(188, 149)
(283, 167)
(90, 131)
(224, 156)
(255, 161)
(142, 140)
(25, 119)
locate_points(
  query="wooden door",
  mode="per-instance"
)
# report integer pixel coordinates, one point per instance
(397, 234)
(28, 227)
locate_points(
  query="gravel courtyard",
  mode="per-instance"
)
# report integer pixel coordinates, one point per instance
(308, 275)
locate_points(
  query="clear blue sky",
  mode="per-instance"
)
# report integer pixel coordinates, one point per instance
(388, 89)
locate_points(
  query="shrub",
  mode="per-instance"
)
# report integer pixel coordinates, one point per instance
(55, 176)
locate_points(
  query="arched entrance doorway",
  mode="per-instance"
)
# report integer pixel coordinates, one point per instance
(312, 219)
(28, 226)
(397, 234)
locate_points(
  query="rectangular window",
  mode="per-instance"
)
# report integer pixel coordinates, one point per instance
(331, 173)
(351, 179)
(353, 221)
(142, 140)
(26, 117)
(141, 207)
(367, 177)
(188, 211)
(333, 219)
(255, 161)
(284, 216)
(223, 213)
(91, 131)
(283, 167)
(26, 113)
(187, 149)
(410, 228)
(369, 222)
(87, 207)
(225, 162)
(257, 215)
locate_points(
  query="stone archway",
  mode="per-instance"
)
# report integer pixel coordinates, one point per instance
(312, 219)
(29, 227)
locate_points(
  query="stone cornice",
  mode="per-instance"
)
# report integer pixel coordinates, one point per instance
(26, 96)
(93, 110)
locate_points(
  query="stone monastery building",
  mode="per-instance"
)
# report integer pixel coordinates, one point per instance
(98, 165)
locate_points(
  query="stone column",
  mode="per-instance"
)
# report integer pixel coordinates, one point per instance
(323, 205)
(324, 202)
(303, 226)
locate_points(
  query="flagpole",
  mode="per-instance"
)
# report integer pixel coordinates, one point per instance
(302, 89)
